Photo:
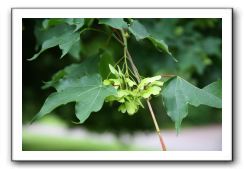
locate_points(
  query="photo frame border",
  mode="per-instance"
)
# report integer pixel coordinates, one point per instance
(17, 155)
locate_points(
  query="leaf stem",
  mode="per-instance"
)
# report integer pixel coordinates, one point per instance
(137, 75)
(125, 51)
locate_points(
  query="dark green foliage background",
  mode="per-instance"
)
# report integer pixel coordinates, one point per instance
(196, 43)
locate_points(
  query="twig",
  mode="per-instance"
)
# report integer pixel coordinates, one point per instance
(137, 75)
(156, 125)
(117, 33)
(115, 37)
(167, 75)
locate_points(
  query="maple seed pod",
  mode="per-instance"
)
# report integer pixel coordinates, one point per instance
(127, 35)
(129, 93)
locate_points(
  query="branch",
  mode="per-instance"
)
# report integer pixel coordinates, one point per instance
(156, 126)
(137, 75)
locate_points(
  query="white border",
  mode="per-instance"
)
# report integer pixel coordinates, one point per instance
(18, 154)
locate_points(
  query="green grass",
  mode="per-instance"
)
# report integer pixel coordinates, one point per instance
(34, 142)
(41, 142)
(52, 120)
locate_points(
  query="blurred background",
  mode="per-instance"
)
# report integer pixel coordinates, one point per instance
(196, 43)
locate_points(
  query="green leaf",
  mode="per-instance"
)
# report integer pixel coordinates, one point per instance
(117, 23)
(105, 59)
(161, 46)
(47, 23)
(196, 57)
(44, 34)
(178, 93)
(140, 33)
(75, 50)
(215, 88)
(78, 22)
(87, 92)
(65, 42)
(59, 32)
(138, 30)
(73, 71)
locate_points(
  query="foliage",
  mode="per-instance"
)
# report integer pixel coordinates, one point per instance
(94, 80)
(178, 93)
(88, 92)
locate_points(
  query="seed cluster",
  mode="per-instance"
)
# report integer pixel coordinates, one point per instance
(130, 93)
